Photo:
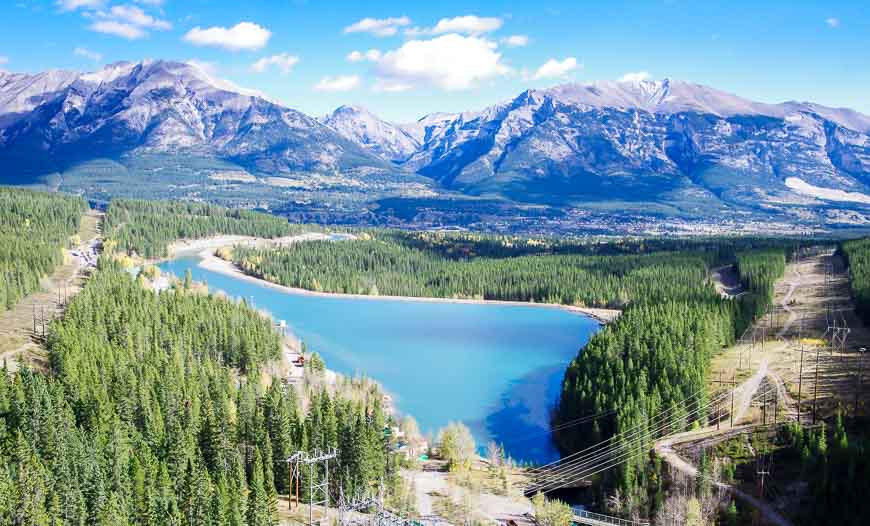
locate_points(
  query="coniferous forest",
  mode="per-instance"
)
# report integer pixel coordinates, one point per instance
(35, 227)
(155, 408)
(146, 228)
(150, 415)
(425, 265)
(857, 255)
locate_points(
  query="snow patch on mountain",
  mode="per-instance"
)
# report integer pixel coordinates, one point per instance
(165, 106)
(829, 194)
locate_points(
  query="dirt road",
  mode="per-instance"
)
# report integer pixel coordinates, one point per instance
(17, 342)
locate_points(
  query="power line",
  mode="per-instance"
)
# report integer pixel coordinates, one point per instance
(579, 468)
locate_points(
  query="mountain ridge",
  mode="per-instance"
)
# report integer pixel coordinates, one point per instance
(661, 144)
(171, 106)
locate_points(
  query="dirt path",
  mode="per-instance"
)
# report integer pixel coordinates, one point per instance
(433, 484)
(18, 343)
(727, 281)
(666, 448)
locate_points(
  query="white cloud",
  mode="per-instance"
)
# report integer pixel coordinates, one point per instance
(515, 41)
(244, 35)
(451, 62)
(635, 76)
(120, 29)
(134, 15)
(3, 60)
(283, 62)
(340, 83)
(833, 22)
(372, 55)
(72, 5)
(127, 21)
(88, 54)
(379, 27)
(555, 68)
(468, 24)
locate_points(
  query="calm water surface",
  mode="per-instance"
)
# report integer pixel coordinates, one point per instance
(495, 367)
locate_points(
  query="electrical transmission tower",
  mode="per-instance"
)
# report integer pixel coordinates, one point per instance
(837, 328)
(318, 492)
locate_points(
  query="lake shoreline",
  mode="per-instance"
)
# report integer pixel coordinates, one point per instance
(208, 261)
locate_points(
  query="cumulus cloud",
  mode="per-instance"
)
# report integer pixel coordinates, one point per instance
(515, 41)
(242, 36)
(120, 29)
(555, 68)
(372, 55)
(134, 15)
(468, 25)
(833, 22)
(126, 21)
(88, 54)
(340, 83)
(451, 62)
(284, 62)
(635, 76)
(379, 27)
(72, 5)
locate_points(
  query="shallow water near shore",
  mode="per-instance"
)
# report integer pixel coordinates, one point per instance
(497, 368)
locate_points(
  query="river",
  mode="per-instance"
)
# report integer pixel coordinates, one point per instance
(497, 368)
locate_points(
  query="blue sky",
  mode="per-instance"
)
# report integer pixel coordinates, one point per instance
(454, 56)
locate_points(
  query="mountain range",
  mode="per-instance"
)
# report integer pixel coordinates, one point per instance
(667, 147)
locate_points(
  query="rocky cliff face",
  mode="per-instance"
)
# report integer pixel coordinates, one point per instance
(643, 140)
(380, 137)
(162, 106)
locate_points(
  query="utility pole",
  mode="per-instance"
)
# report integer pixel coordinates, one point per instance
(816, 385)
(775, 404)
(731, 384)
(861, 352)
(293, 464)
(318, 494)
(762, 473)
(800, 382)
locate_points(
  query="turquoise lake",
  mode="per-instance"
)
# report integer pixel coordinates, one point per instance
(497, 368)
